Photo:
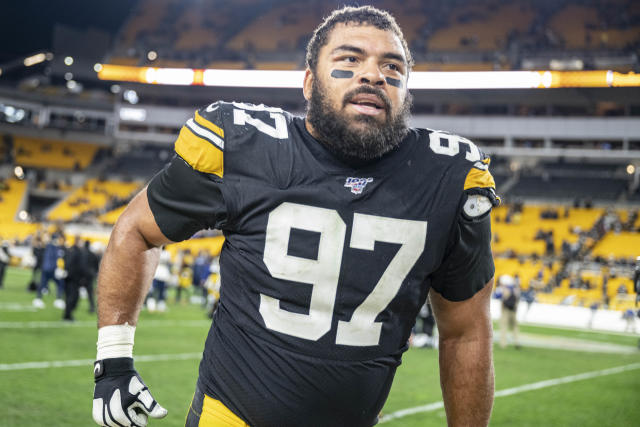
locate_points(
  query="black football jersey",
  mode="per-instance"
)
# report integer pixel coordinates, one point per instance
(325, 265)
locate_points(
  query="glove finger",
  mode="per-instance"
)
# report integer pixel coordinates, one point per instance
(117, 413)
(107, 418)
(139, 417)
(158, 411)
(138, 389)
(98, 408)
(150, 405)
(135, 385)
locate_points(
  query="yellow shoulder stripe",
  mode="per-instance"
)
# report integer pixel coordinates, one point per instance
(477, 178)
(209, 125)
(199, 153)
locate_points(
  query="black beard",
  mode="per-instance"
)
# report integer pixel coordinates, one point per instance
(349, 143)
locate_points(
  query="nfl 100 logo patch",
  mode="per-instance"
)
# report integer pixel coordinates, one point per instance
(357, 184)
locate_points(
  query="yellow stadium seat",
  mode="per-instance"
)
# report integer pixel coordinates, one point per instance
(94, 194)
(624, 244)
(45, 153)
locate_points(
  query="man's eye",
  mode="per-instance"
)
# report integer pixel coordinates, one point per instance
(350, 59)
(393, 67)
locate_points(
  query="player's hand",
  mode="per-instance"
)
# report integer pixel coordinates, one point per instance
(120, 397)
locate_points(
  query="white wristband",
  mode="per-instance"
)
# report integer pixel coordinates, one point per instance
(115, 341)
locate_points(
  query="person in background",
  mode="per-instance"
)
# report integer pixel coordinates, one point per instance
(629, 316)
(636, 286)
(212, 286)
(508, 320)
(185, 276)
(424, 336)
(636, 280)
(75, 265)
(37, 248)
(593, 310)
(52, 269)
(157, 298)
(201, 273)
(89, 273)
(5, 257)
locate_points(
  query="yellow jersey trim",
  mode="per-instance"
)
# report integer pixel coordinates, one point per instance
(209, 125)
(215, 414)
(201, 155)
(477, 178)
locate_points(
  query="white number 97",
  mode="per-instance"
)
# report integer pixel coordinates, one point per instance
(323, 273)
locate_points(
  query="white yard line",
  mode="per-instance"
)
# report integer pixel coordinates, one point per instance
(14, 306)
(89, 362)
(93, 324)
(515, 390)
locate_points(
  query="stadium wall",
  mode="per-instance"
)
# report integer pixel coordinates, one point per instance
(566, 316)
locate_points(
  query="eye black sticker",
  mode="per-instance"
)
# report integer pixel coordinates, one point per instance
(394, 82)
(341, 74)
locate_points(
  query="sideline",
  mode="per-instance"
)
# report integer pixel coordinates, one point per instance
(558, 342)
(89, 362)
(514, 390)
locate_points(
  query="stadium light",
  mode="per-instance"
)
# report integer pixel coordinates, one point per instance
(152, 55)
(0, 71)
(133, 114)
(631, 169)
(68, 60)
(23, 215)
(170, 76)
(417, 80)
(34, 59)
(131, 96)
(18, 172)
(97, 68)
(475, 80)
(68, 76)
(253, 78)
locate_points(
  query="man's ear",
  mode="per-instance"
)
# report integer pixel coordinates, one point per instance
(307, 84)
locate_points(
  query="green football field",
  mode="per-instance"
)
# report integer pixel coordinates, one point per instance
(46, 370)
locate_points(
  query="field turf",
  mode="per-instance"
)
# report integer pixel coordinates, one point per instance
(53, 395)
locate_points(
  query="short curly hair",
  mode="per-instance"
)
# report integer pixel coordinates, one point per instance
(363, 15)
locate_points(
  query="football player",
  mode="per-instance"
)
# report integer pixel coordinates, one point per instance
(337, 226)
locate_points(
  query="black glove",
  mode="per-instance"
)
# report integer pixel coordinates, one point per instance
(120, 397)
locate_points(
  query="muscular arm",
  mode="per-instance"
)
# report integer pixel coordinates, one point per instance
(128, 264)
(466, 360)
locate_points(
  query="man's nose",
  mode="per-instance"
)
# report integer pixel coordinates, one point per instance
(371, 75)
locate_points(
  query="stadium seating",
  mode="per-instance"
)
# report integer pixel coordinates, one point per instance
(196, 34)
(293, 21)
(527, 270)
(112, 216)
(474, 27)
(213, 245)
(569, 188)
(581, 27)
(10, 202)
(620, 245)
(45, 153)
(93, 196)
(12, 197)
(518, 235)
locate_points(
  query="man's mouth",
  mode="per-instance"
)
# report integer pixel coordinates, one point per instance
(367, 103)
